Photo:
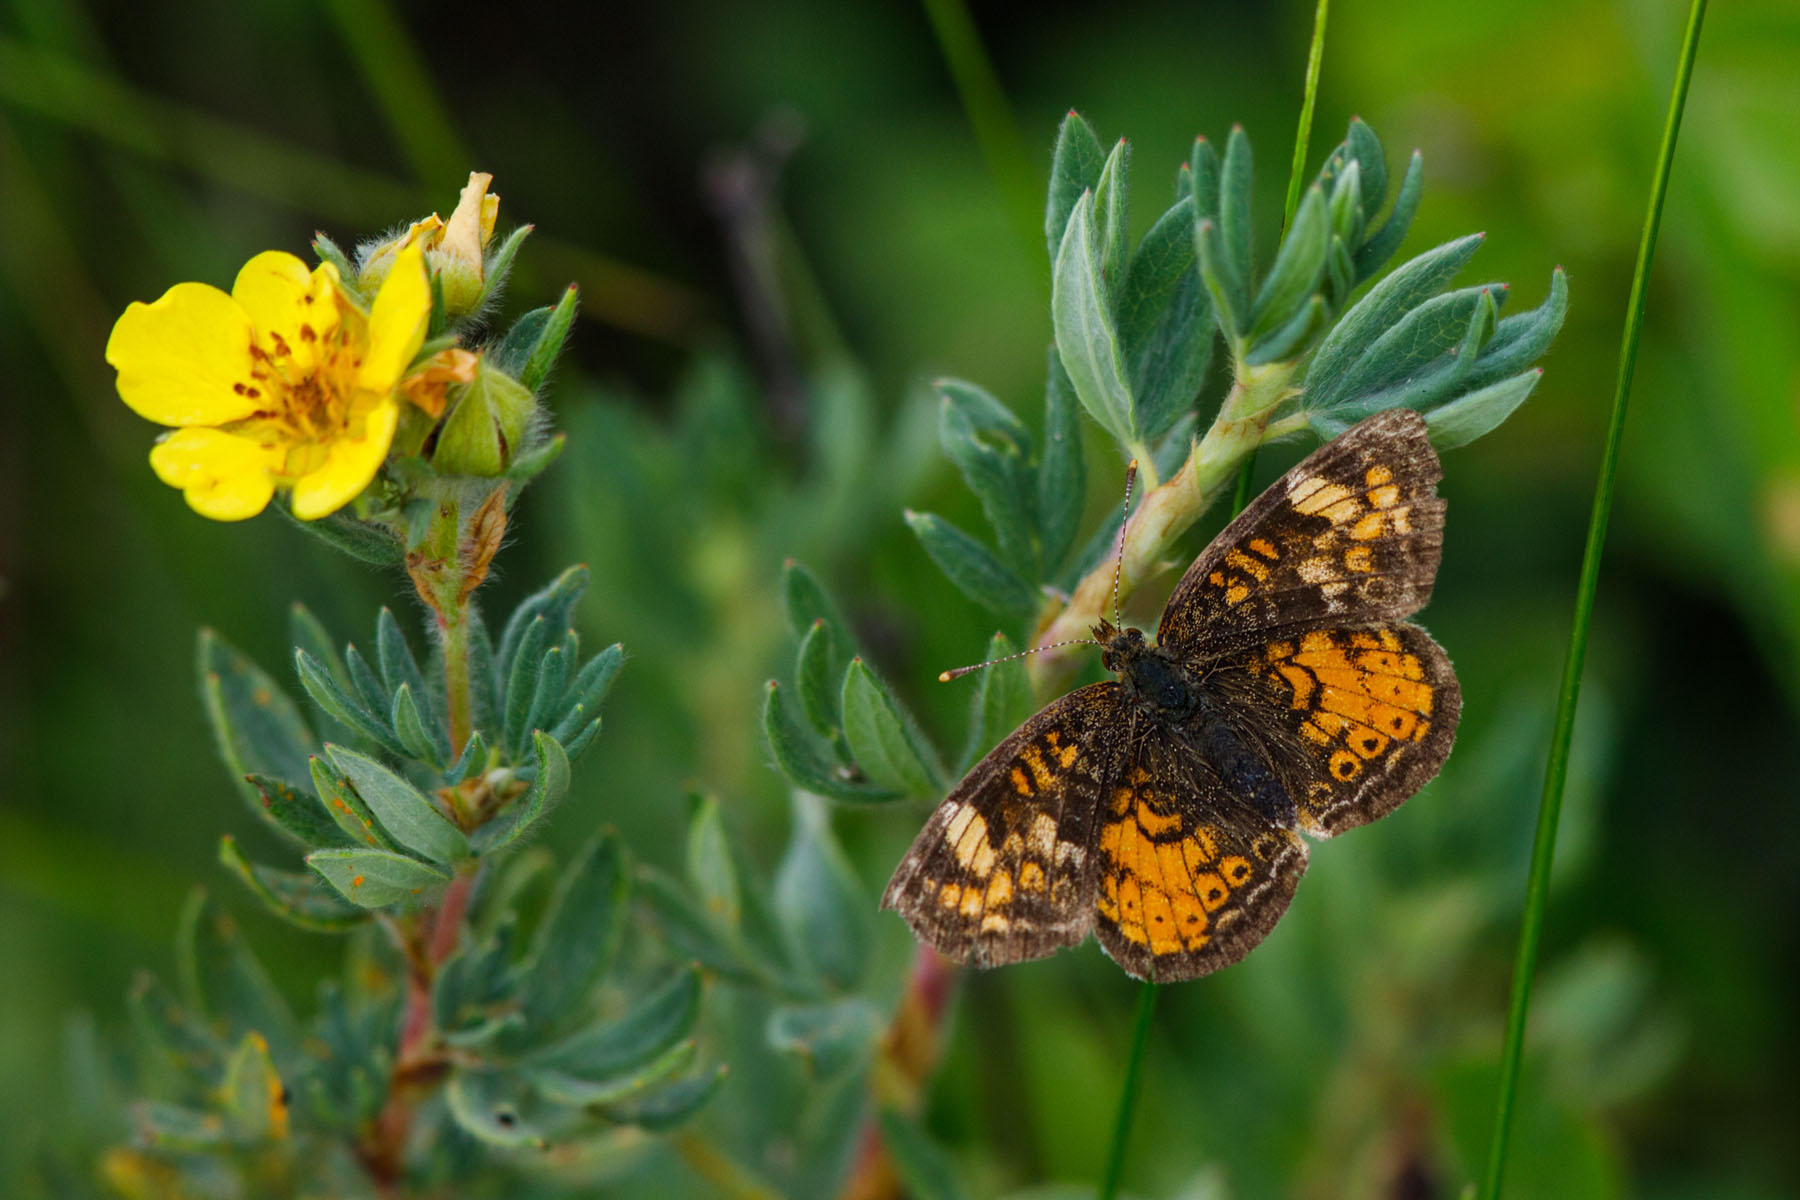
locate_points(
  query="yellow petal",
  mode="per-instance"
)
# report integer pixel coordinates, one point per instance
(350, 464)
(376, 265)
(224, 477)
(472, 224)
(397, 322)
(292, 308)
(185, 360)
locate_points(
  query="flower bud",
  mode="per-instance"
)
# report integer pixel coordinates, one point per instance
(487, 426)
(454, 249)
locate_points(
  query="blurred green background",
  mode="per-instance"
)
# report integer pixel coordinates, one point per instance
(783, 225)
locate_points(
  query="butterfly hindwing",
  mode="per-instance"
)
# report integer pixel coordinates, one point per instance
(1001, 871)
(1188, 876)
(1351, 536)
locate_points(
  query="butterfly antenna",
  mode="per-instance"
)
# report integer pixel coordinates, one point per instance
(1124, 521)
(959, 672)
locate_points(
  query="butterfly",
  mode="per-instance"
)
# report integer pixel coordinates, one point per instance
(1285, 695)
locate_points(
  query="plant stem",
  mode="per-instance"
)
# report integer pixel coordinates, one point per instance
(455, 629)
(1302, 139)
(1543, 849)
(1134, 1065)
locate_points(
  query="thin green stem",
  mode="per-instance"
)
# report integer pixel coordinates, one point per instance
(1543, 849)
(1134, 1065)
(985, 103)
(1302, 141)
(456, 678)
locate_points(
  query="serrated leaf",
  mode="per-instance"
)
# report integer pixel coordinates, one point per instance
(1082, 315)
(830, 1038)
(672, 1105)
(300, 900)
(1075, 167)
(883, 738)
(548, 786)
(709, 865)
(1003, 699)
(798, 756)
(338, 704)
(257, 729)
(992, 450)
(1062, 467)
(971, 566)
(1374, 253)
(407, 815)
(1299, 265)
(577, 940)
(1235, 263)
(1479, 412)
(1386, 303)
(819, 899)
(375, 878)
(255, 1099)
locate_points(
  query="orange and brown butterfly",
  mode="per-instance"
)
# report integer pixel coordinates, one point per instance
(1286, 694)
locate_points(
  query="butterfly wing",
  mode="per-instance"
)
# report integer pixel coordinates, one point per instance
(1189, 877)
(1350, 536)
(1000, 873)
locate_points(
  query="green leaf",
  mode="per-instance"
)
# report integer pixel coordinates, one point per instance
(343, 805)
(549, 344)
(689, 932)
(589, 690)
(583, 1092)
(1003, 699)
(337, 703)
(329, 251)
(259, 731)
(1386, 303)
(924, 1169)
(297, 813)
(806, 601)
(1520, 340)
(255, 1100)
(548, 786)
(1075, 167)
(1082, 314)
(498, 266)
(1419, 340)
(398, 666)
(672, 1105)
(409, 727)
(820, 689)
(709, 864)
(830, 1038)
(1165, 321)
(1234, 264)
(1203, 163)
(1429, 384)
(364, 541)
(297, 899)
(375, 878)
(474, 979)
(1468, 417)
(555, 603)
(552, 683)
(170, 1127)
(1209, 256)
(1299, 265)
(367, 685)
(972, 567)
(820, 901)
(577, 939)
(407, 814)
(497, 1108)
(1288, 343)
(175, 1035)
(484, 673)
(655, 1024)
(221, 978)
(1374, 253)
(474, 759)
(522, 684)
(580, 742)
(1364, 148)
(309, 634)
(1346, 205)
(799, 757)
(992, 449)
(1112, 216)
(1062, 468)
(883, 737)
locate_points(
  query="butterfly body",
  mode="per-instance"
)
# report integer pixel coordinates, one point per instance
(1284, 694)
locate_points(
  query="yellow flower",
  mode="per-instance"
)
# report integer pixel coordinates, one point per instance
(283, 383)
(454, 249)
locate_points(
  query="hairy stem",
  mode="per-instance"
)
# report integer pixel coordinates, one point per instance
(1543, 848)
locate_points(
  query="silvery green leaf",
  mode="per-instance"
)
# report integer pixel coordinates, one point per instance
(884, 739)
(257, 729)
(1235, 264)
(625, 1085)
(1204, 162)
(1112, 216)
(1289, 342)
(522, 683)
(1165, 322)
(1074, 168)
(555, 603)
(375, 878)
(1468, 417)
(343, 805)
(1415, 343)
(1346, 205)
(819, 900)
(549, 784)
(1081, 310)
(992, 449)
(338, 704)
(800, 757)
(498, 1108)
(806, 601)
(820, 690)
(223, 980)
(255, 1099)
(976, 571)
(398, 666)
(1299, 265)
(670, 1106)
(576, 940)
(302, 900)
(1209, 256)
(406, 813)
(1375, 252)
(660, 1020)
(409, 725)
(1519, 340)
(297, 813)
(830, 1038)
(709, 866)
(1003, 699)
(1062, 468)
(1364, 148)
(1433, 382)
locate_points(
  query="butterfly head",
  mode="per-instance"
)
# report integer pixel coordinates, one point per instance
(1119, 648)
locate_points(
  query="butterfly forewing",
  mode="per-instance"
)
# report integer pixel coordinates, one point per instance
(1350, 536)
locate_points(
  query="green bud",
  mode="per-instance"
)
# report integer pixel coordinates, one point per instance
(487, 426)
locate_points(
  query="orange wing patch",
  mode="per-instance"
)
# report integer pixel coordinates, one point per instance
(1161, 879)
